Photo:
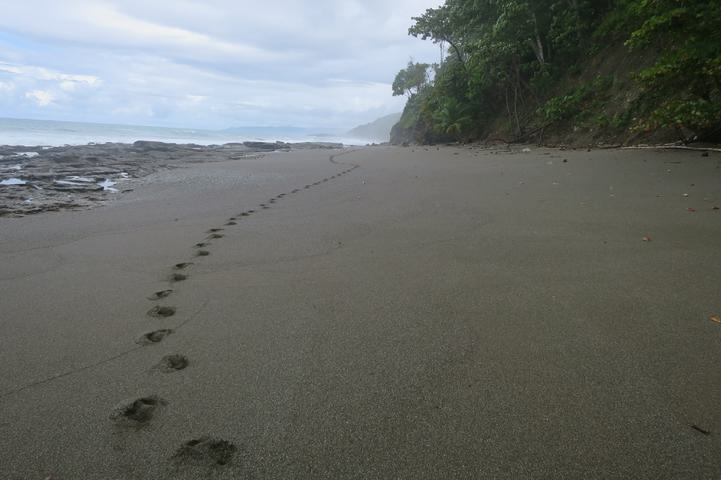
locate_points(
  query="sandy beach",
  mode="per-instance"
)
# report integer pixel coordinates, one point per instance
(407, 313)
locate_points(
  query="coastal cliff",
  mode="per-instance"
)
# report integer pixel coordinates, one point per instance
(566, 72)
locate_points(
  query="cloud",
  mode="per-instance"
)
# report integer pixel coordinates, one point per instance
(41, 73)
(208, 63)
(42, 98)
(119, 28)
(6, 87)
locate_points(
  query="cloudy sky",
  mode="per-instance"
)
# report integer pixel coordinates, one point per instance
(206, 63)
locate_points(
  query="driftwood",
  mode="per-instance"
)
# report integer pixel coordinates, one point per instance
(673, 147)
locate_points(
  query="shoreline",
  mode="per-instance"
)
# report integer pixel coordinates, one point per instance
(36, 179)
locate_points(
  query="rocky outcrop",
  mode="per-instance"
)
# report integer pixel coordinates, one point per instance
(40, 179)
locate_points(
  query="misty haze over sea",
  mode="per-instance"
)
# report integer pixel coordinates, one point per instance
(54, 133)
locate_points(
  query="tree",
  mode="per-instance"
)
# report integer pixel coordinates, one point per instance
(438, 25)
(513, 57)
(411, 80)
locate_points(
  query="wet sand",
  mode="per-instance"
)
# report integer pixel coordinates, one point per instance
(392, 313)
(77, 177)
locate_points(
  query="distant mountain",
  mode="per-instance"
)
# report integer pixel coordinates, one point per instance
(378, 130)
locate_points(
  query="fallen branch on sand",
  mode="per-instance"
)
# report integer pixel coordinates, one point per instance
(672, 147)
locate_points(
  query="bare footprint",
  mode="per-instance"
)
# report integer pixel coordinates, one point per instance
(135, 413)
(173, 363)
(216, 235)
(154, 337)
(213, 230)
(202, 253)
(231, 224)
(161, 294)
(178, 277)
(182, 266)
(206, 451)
(161, 312)
(201, 244)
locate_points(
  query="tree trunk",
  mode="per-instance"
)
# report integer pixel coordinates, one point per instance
(458, 53)
(515, 102)
(537, 44)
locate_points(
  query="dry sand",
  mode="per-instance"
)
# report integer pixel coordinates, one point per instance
(450, 313)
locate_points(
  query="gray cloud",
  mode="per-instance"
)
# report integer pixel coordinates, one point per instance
(211, 63)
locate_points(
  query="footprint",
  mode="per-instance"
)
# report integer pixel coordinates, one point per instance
(206, 451)
(161, 312)
(182, 266)
(154, 337)
(135, 413)
(266, 207)
(178, 277)
(201, 244)
(160, 294)
(231, 224)
(213, 230)
(216, 235)
(245, 214)
(296, 190)
(173, 363)
(263, 205)
(272, 200)
(307, 187)
(202, 253)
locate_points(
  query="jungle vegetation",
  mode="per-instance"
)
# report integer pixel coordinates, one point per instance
(526, 67)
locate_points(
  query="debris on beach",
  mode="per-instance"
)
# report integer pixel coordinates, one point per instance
(701, 430)
(647, 239)
(715, 318)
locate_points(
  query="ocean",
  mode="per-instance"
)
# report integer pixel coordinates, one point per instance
(53, 133)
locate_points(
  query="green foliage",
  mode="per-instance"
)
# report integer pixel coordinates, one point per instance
(570, 105)
(506, 57)
(411, 79)
(683, 88)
